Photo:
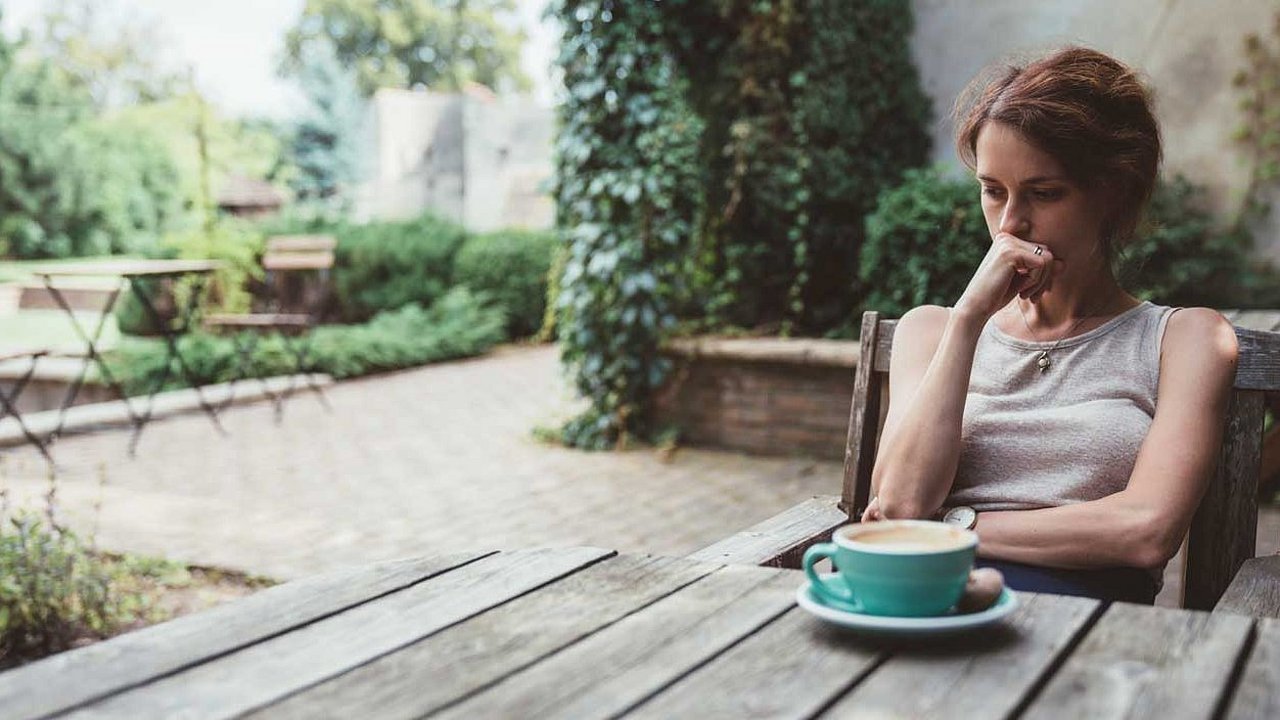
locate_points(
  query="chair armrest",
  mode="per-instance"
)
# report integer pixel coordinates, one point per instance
(1255, 590)
(781, 540)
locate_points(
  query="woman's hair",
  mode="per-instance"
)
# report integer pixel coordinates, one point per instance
(1087, 110)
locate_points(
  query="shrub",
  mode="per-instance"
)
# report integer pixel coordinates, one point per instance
(924, 240)
(510, 266)
(459, 324)
(53, 591)
(387, 265)
(927, 237)
(238, 245)
(1184, 258)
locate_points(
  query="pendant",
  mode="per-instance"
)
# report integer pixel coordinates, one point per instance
(1043, 362)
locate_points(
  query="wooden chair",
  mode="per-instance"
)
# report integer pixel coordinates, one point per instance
(1223, 532)
(297, 278)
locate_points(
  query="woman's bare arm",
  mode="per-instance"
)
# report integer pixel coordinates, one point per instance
(1143, 525)
(928, 381)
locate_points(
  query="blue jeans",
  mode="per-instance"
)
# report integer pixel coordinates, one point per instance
(1111, 584)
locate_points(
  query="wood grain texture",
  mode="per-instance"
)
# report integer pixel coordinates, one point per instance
(781, 540)
(987, 674)
(1259, 364)
(1147, 662)
(1255, 591)
(1224, 530)
(884, 344)
(625, 663)
(1257, 697)
(791, 668)
(459, 660)
(864, 416)
(242, 681)
(78, 676)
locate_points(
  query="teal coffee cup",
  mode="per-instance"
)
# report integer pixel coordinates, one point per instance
(905, 568)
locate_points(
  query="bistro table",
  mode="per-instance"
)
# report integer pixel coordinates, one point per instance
(143, 279)
(586, 632)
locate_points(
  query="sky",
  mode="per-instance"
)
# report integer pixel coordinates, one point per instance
(232, 45)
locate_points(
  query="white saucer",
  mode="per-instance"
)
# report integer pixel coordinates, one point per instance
(952, 622)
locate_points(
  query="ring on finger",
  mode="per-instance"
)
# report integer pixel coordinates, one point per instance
(1039, 250)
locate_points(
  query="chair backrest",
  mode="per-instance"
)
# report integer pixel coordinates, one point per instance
(298, 271)
(1224, 530)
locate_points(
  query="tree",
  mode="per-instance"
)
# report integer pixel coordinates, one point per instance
(117, 62)
(70, 183)
(439, 44)
(324, 144)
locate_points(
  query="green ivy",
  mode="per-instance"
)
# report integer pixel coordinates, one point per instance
(627, 191)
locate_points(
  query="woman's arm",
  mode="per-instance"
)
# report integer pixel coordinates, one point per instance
(928, 381)
(1143, 525)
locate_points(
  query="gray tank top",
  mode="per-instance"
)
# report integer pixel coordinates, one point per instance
(1070, 434)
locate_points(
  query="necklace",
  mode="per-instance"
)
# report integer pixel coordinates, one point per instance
(1043, 361)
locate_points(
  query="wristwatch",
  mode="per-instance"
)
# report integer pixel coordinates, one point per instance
(961, 516)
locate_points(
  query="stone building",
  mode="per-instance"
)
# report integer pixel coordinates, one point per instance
(473, 157)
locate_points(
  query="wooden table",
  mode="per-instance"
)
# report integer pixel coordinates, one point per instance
(584, 632)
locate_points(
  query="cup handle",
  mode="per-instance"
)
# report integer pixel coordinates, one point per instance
(823, 590)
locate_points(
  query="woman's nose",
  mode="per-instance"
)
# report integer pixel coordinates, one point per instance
(1014, 219)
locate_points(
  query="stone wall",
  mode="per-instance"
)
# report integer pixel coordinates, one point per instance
(761, 396)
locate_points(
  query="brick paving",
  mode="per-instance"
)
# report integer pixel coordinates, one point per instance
(431, 460)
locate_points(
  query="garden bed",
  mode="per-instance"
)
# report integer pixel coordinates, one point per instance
(767, 396)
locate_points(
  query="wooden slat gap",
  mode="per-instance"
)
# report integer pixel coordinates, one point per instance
(695, 668)
(1237, 672)
(853, 683)
(209, 658)
(1052, 669)
(515, 669)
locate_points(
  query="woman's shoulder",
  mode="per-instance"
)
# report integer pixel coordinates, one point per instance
(1198, 337)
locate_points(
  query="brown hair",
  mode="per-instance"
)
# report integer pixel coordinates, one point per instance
(1087, 110)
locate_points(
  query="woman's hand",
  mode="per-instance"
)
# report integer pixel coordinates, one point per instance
(872, 513)
(1011, 267)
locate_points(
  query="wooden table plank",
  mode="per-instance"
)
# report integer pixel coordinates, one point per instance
(75, 677)
(466, 657)
(263, 673)
(1258, 695)
(783, 537)
(1255, 591)
(791, 668)
(625, 663)
(129, 268)
(987, 674)
(1141, 661)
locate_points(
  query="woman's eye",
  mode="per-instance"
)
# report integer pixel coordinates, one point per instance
(1048, 194)
(992, 192)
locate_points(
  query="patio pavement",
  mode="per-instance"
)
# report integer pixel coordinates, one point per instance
(432, 460)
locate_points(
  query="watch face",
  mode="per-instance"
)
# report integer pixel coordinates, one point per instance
(961, 517)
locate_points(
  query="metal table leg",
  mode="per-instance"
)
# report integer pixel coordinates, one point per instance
(93, 357)
(8, 407)
(170, 334)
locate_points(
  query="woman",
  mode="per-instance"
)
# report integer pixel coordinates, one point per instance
(1033, 400)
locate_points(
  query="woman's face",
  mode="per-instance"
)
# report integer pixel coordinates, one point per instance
(1026, 193)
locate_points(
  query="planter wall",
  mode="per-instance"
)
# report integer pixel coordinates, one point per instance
(763, 396)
